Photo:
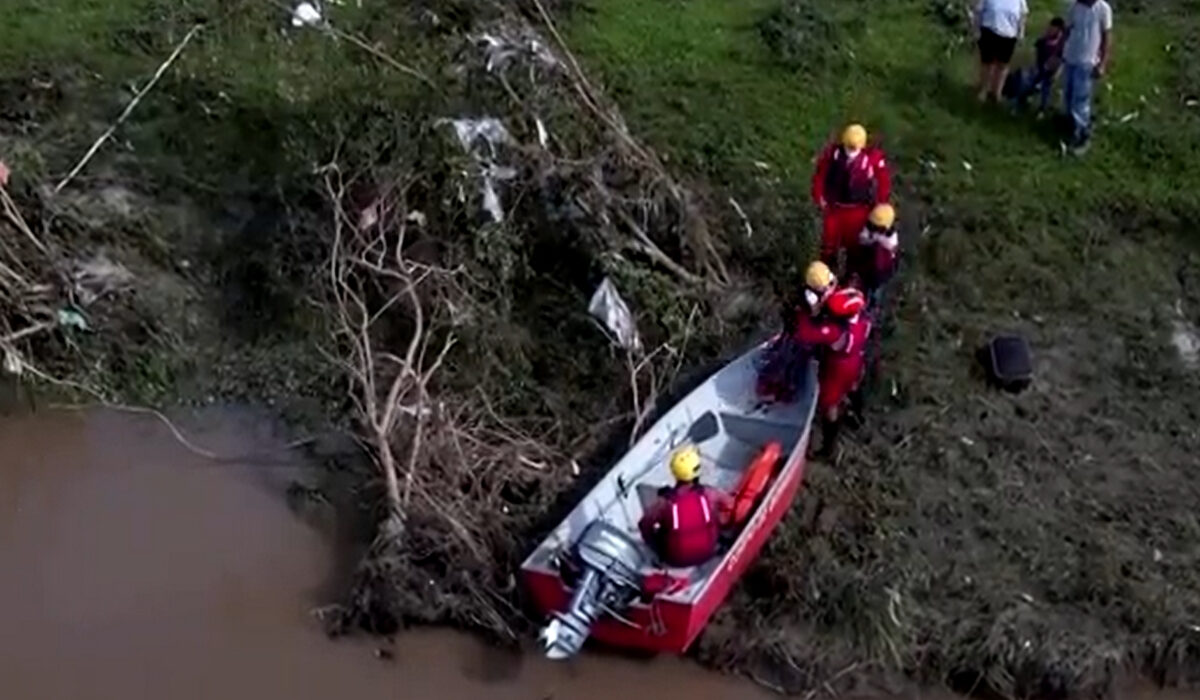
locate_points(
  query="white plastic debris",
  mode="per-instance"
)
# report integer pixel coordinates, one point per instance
(1129, 117)
(72, 319)
(12, 363)
(967, 166)
(611, 310)
(491, 200)
(97, 277)
(1186, 338)
(505, 44)
(477, 136)
(543, 135)
(489, 129)
(306, 14)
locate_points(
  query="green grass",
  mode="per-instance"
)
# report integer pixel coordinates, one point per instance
(1046, 494)
(1057, 494)
(696, 78)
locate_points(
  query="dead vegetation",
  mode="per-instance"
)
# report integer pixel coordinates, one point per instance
(434, 265)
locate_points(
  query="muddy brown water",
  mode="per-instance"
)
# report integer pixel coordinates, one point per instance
(131, 568)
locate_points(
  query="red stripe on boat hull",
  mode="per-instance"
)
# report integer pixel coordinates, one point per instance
(671, 627)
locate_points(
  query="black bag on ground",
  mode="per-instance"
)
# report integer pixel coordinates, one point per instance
(1008, 362)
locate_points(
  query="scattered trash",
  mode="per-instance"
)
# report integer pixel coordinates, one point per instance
(489, 129)
(505, 44)
(967, 166)
(1158, 556)
(761, 166)
(1129, 117)
(1191, 102)
(611, 310)
(97, 277)
(574, 468)
(1186, 338)
(369, 217)
(543, 135)
(72, 319)
(1027, 598)
(306, 14)
(12, 363)
(491, 200)
(967, 441)
(416, 217)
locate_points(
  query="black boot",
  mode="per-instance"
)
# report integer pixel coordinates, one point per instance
(855, 412)
(830, 430)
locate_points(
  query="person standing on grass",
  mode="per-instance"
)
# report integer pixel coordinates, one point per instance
(851, 177)
(1041, 75)
(1085, 60)
(1000, 24)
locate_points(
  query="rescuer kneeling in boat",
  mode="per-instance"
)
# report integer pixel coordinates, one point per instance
(832, 325)
(684, 525)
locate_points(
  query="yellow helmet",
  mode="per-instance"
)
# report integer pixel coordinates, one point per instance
(685, 464)
(854, 137)
(883, 216)
(818, 276)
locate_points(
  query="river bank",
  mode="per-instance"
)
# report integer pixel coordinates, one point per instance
(136, 568)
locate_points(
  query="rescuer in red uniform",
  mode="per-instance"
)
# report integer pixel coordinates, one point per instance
(851, 178)
(684, 525)
(832, 322)
(873, 259)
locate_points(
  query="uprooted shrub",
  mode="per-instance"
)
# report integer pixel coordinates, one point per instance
(460, 270)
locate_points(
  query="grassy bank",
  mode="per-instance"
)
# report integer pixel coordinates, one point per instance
(1026, 544)
(1030, 544)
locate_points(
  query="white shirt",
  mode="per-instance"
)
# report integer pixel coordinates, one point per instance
(1086, 25)
(1004, 17)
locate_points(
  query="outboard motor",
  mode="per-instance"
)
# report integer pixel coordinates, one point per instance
(610, 564)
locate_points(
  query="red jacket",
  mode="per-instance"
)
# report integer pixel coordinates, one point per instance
(817, 330)
(684, 524)
(863, 181)
(843, 336)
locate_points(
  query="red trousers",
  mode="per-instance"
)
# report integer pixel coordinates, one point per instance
(840, 374)
(841, 370)
(841, 227)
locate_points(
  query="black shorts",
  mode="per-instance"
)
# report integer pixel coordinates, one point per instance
(994, 48)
